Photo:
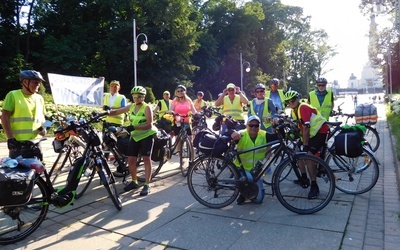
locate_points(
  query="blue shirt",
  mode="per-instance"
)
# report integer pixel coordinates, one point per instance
(276, 99)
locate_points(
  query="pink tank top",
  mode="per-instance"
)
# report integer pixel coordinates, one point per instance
(182, 108)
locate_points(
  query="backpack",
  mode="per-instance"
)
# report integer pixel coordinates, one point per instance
(349, 142)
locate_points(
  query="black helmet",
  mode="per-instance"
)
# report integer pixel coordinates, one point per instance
(30, 74)
(321, 80)
(259, 86)
(274, 81)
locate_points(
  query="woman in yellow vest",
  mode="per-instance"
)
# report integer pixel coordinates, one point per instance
(199, 102)
(322, 98)
(248, 138)
(23, 113)
(313, 134)
(142, 136)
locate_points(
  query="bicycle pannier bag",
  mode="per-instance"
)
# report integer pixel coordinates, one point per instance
(366, 114)
(16, 185)
(349, 143)
(198, 137)
(159, 148)
(212, 145)
(123, 144)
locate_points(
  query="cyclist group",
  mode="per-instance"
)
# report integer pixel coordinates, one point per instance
(26, 123)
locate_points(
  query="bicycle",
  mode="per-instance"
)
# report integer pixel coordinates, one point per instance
(200, 119)
(371, 135)
(215, 181)
(354, 175)
(18, 221)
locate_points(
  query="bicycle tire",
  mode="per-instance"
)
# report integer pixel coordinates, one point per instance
(268, 173)
(294, 197)
(108, 180)
(372, 137)
(354, 175)
(31, 214)
(206, 182)
(86, 178)
(155, 168)
(68, 157)
(185, 156)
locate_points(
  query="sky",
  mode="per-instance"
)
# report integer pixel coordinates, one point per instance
(347, 28)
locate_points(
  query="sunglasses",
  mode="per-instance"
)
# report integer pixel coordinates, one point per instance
(290, 101)
(138, 96)
(179, 91)
(231, 90)
(260, 91)
(321, 85)
(254, 125)
(35, 81)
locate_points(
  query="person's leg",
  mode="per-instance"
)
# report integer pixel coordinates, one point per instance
(133, 152)
(145, 150)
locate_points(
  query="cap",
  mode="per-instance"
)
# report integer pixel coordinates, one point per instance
(166, 92)
(252, 118)
(114, 82)
(230, 86)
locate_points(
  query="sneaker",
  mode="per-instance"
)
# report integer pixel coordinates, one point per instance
(145, 191)
(314, 192)
(120, 174)
(131, 186)
(304, 183)
(240, 200)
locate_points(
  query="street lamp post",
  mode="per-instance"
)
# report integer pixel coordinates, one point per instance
(241, 69)
(143, 47)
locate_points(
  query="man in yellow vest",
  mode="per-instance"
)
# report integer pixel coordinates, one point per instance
(248, 138)
(276, 95)
(313, 134)
(163, 104)
(114, 100)
(321, 98)
(232, 101)
(23, 113)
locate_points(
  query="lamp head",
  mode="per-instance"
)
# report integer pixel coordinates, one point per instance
(144, 46)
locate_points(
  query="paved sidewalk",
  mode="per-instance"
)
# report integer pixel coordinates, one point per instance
(170, 218)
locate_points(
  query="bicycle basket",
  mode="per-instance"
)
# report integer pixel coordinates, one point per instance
(349, 142)
(16, 185)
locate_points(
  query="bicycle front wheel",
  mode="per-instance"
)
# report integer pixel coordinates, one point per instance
(108, 180)
(292, 195)
(372, 137)
(186, 156)
(354, 175)
(212, 182)
(18, 222)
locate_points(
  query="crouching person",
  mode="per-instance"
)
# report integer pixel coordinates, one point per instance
(248, 138)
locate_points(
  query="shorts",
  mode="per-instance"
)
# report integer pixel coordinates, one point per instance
(316, 143)
(144, 146)
(176, 129)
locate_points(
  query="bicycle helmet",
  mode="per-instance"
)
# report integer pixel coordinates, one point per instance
(259, 86)
(200, 93)
(30, 74)
(291, 94)
(274, 81)
(180, 86)
(321, 80)
(138, 90)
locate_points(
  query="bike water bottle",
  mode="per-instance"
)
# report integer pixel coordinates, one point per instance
(256, 169)
(178, 120)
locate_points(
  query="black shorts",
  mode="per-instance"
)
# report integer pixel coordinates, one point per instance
(316, 143)
(176, 129)
(143, 146)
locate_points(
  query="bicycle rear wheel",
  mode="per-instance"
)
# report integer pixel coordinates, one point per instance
(108, 180)
(186, 156)
(292, 195)
(372, 137)
(354, 175)
(18, 222)
(212, 182)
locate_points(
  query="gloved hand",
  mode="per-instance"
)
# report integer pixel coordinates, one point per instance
(130, 128)
(12, 143)
(105, 107)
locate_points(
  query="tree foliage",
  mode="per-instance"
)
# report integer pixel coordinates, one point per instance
(195, 43)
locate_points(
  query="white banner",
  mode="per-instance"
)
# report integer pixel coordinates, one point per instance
(76, 90)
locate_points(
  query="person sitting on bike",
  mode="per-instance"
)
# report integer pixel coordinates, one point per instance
(199, 102)
(23, 113)
(264, 109)
(313, 135)
(251, 137)
(182, 106)
(232, 101)
(141, 138)
(163, 105)
(322, 98)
